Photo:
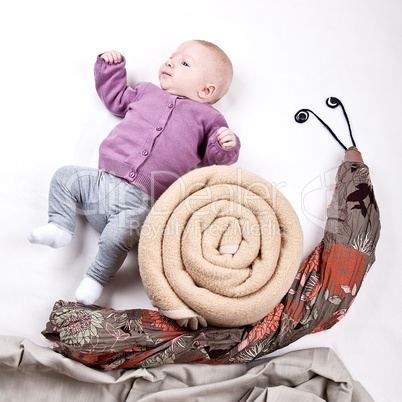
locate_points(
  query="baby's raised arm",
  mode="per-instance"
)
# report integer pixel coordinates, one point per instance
(113, 56)
(111, 82)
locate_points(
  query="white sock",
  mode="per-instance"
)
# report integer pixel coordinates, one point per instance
(88, 291)
(50, 235)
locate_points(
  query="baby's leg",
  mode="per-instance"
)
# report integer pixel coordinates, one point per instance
(127, 208)
(114, 244)
(70, 185)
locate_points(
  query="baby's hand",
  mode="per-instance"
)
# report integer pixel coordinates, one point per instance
(226, 138)
(111, 57)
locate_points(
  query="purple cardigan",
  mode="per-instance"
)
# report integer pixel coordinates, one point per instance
(161, 136)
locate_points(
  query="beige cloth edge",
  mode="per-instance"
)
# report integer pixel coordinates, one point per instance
(28, 370)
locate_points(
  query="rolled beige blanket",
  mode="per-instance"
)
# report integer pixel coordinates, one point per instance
(221, 247)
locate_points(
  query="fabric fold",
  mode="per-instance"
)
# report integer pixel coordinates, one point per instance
(304, 375)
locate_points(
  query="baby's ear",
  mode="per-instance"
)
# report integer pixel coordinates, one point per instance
(207, 92)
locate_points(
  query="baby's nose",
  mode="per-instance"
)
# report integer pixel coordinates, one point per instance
(169, 63)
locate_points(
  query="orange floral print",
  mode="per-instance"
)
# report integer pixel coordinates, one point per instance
(342, 266)
(314, 292)
(269, 324)
(295, 309)
(313, 260)
(353, 155)
(154, 319)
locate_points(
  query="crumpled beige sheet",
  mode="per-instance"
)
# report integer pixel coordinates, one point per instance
(29, 372)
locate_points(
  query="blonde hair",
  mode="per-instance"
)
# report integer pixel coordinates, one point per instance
(222, 66)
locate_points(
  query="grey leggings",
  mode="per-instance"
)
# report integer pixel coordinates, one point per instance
(114, 207)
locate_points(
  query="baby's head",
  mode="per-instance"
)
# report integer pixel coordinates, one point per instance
(199, 70)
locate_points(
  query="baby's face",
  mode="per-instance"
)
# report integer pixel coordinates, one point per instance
(187, 72)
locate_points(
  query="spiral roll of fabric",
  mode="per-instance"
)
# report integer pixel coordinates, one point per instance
(220, 247)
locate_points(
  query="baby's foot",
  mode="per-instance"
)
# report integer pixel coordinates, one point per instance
(50, 235)
(88, 291)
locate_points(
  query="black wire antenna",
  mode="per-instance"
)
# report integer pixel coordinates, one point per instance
(303, 114)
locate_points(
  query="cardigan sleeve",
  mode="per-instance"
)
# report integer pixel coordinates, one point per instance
(112, 88)
(213, 152)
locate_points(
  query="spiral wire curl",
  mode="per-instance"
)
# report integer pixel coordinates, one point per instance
(303, 114)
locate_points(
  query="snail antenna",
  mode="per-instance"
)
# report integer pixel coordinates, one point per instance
(302, 116)
(333, 102)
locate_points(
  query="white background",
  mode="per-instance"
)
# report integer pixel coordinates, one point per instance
(287, 55)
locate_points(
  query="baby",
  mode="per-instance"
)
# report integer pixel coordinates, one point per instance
(165, 132)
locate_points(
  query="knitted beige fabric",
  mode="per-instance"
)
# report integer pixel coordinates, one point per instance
(222, 245)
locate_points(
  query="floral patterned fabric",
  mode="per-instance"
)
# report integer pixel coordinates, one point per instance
(321, 294)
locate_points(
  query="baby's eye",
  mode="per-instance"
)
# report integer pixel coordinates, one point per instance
(185, 64)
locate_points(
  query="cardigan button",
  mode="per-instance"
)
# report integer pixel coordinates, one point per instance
(159, 128)
(132, 175)
(170, 105)
(145, 153)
